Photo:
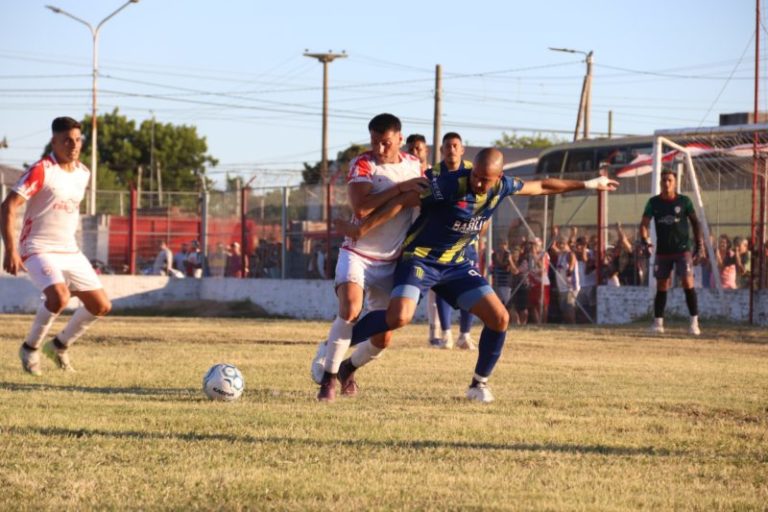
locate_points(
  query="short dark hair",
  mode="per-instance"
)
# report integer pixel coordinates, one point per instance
(64, 124)
(414, 138)
(383, 123)
(668, 170)
(451, 135)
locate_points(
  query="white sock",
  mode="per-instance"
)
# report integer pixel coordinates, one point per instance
(658, 322)
(365, 353)
(695, 320)
(481, 379)
(40, 326)
(339, 339)
(77, 325)
(432, 314)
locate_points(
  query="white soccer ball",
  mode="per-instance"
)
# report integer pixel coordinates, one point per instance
(223, 382)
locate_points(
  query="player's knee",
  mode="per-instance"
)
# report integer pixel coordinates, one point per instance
(56, 301)
(397, 318)
(102, 309)
(348, 311)
(498, 320)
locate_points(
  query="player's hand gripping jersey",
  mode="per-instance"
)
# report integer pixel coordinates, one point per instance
(53, 207)
(382, 242)
(452, 215)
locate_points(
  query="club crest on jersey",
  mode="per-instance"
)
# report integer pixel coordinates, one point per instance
(677, 209)
(473, 225)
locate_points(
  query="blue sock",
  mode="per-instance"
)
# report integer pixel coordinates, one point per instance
(373, 323)
(465, 321)
(489, 351)
(444, 312)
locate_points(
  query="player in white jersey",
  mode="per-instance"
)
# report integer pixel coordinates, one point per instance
(52, 190)
(366, 265)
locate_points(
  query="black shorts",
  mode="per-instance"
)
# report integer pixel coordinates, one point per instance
(683, 263)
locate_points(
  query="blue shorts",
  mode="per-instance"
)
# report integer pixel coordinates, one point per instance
(461, 285)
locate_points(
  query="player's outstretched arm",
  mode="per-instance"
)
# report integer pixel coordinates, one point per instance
(12, 262)
(551, 186)
(379, 216)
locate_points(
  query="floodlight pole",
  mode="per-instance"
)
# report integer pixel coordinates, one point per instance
(95, 69)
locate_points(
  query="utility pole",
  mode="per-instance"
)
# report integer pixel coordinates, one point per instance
(94, 126)
(585, 101)
(325, 58)
(436, 127)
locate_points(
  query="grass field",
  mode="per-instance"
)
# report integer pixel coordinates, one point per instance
(585, 419)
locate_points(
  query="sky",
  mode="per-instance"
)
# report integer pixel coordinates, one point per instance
(235, 69)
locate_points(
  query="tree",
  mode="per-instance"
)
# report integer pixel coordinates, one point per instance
(537, 141)
(179, 152)
(311, 173)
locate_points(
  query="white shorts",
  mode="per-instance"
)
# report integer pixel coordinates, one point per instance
(375, 277)
(53, 268)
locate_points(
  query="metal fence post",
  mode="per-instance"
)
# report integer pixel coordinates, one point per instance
(132, 231)
(284, 229)
(3, 192)
(245, 248)
(204, 199)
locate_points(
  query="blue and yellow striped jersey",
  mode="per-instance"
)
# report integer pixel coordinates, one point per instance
(452, 215)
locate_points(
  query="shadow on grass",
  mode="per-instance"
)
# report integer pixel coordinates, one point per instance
(135, 390)
(423, 444)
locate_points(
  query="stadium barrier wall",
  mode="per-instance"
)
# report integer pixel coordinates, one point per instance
(315, 300)
(624, 304)
(310, 299)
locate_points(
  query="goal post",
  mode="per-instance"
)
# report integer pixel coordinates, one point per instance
(716, 168)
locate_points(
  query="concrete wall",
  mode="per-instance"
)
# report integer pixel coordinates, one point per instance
(315, 299)
(294, 298)
(619, 305)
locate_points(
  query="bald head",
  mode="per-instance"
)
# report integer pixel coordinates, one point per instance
(491, 160)
(487, 170)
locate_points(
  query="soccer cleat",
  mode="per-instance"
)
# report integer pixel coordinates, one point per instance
(30, 360)
(480, 393)
(447, 342)
(656, 329)
(327, 392)
(347, 378)
(58, 356)
(435, 342)
(465, 342)
(694, 330)
(318, 363)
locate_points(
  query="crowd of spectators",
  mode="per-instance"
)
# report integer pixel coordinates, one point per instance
(559, 284)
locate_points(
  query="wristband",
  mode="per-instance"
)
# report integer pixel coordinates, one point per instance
(595, 183)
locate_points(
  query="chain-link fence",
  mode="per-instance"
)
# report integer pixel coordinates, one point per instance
(282, 232)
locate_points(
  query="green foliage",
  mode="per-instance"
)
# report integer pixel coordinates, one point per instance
(537, 141)
(340, 166)
(180, 153)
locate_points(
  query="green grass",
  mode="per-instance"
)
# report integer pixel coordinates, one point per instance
(585, 419)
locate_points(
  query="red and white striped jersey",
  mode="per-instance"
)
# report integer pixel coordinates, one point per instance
(384, 241)
(53, 207)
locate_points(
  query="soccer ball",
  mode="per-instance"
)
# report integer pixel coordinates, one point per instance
(223, 382)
